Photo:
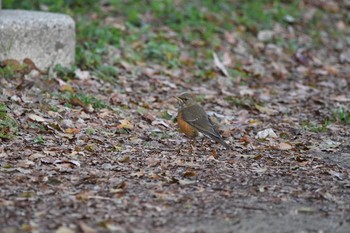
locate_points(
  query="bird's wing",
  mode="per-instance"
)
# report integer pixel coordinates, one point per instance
(198, 118)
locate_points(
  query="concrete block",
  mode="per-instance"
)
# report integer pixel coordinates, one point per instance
(46, 38)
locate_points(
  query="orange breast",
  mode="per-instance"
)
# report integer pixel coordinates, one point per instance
(185, 127)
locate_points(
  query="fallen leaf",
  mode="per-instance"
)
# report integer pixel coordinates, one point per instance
(125, 124)
(66, 87)
(72, 131)
(219, 64)
(66, 163)
(265, 35)
(83, 75)
(284, 146)
(85, 228)
(266, 133)
(64, 230)
(189, 173)
(114, 227)
(31, 66)
(305, 210)
(138, 174)
(77, 102)
(329, 145)
(36, 118)
(186, 182)
(266, 110)
(160, 122)
(13, 64)
(340, 98)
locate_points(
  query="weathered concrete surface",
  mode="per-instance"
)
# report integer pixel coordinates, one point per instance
(46, 38)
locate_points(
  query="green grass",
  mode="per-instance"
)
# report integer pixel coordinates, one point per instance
(316, 127)
(40, 139)
(107, 73)
(38, 127)
(263, 14)
(7, 72)
(341, 115)
(158, 31)
(90, 131)
(245, 101)
(64, 73)
(66, 6)
(8, 125)
(85, 99)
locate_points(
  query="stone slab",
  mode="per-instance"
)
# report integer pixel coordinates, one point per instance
(46, 38)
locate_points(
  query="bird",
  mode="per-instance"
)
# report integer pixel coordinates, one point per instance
(192, 119)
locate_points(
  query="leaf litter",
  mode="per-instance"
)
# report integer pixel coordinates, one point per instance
(117, 163)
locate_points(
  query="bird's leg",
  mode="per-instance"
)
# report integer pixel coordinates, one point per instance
(180, 149)
(202, 143)
(192, 147)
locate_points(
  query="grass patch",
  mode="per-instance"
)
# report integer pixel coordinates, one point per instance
(38, 127)
(158, 31)
(162, 52)
(90, 131)
(107, 73)
(90, 100)
(64, 73)
(40, 139)
(93, 39)
(66, 6)
(263, 14)
(83, 100)
(341, 115)
(8, 125)
(7, 72)
(242, 101)
(314, 127)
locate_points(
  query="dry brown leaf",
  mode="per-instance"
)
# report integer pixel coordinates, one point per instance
(230, 38)
(77, 102)
(340, 98)
(72, 131)
(36, 118)
(266, 110)
(284, 146)
(12, 63)
(32, 66)
(125, 124)
(83, 196)
(189, 173)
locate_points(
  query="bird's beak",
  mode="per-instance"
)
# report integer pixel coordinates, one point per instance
(177, 98)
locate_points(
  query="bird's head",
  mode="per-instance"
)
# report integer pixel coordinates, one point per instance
(186, 99)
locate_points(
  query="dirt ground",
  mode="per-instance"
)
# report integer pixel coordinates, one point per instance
(82, 154)
(144, 178)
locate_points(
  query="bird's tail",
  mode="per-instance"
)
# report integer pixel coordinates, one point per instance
(221, 141)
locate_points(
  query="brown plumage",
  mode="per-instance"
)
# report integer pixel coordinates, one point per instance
(192, 118)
